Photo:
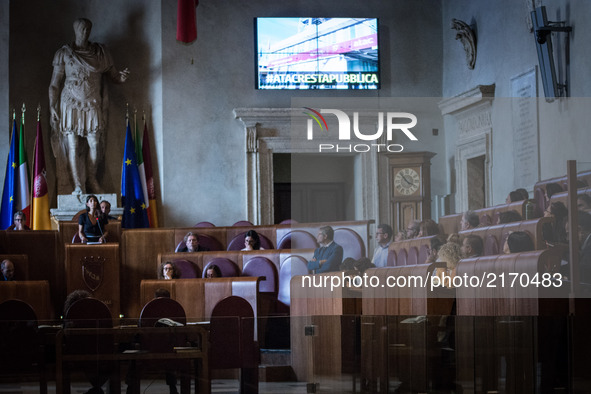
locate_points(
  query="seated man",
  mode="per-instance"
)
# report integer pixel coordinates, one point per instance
(472, 246)
(20, 220)
(384, 239)
(192, 243)
(7, 268)
(329, 255)
(469, 221)
(106, 209)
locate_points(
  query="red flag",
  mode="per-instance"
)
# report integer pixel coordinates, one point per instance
(152, 212)
(186, 25)
(40, 216)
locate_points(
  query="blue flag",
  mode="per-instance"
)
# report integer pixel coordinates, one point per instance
(135, 214)
(9, 192)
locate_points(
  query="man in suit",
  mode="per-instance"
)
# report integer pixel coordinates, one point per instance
(329, 255)
(7, 268)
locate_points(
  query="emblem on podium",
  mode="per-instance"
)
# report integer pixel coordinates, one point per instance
(92, 271)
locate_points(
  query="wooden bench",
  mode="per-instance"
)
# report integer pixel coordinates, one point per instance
(45, 259)
(540, 187)
(511, 325)
(450, 224)
(409, 252)
(21, 265)
(199, 296)
(494, 237)
(324, 328)
(34, 292)
(563, 196)
(399, 329)
(141, 247)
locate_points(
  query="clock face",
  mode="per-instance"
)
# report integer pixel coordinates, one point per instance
(407, 181)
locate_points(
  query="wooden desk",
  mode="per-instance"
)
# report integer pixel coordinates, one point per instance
(96, 269)
(195, 334)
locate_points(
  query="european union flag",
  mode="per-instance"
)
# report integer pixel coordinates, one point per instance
(135, 214)
(8, 193)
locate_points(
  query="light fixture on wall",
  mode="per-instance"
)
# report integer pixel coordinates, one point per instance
(543, 37)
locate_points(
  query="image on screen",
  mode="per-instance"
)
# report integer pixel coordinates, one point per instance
(317, 53)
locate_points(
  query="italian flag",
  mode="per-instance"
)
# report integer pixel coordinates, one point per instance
(147, 158)
(23, 201)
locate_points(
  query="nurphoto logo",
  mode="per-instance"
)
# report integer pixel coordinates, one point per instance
(394, 122)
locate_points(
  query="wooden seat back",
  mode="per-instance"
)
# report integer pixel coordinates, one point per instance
(33, 292)
(518, 295)
(199, 296)
(500, 233)
(21, 265)
(408, 295)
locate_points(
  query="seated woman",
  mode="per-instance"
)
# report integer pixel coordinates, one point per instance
(168, 270)
(19, 222)
(91, 225)
(450, 253)
(252, 241)
(557, 231)
(518, 241)
(427, 228)
(213, 271)
(509, 217)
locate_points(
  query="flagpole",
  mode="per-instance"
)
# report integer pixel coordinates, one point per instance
(32, 191)
(134, 123)
(13, 120)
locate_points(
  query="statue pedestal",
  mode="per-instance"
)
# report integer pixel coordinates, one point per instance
(69, 205)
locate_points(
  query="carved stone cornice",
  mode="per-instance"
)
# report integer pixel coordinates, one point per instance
(462, 101)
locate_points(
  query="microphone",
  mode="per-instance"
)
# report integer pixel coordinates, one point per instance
(98, 221)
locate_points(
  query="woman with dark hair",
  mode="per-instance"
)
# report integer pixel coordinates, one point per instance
(213, 271)
(509, 217)
(559, 212)
(91, 225)
(428, 227)
(252, 241)
(168, 270)
(551, 189)
(518, 241)
(514, 196)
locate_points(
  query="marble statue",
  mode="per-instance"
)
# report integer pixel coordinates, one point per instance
(79, 106)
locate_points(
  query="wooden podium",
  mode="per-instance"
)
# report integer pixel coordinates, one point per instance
(95, 268)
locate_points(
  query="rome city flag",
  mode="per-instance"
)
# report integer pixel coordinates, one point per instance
(132, 195)
(152, 212)
(23, 201)
(40, 209)
(8, 193)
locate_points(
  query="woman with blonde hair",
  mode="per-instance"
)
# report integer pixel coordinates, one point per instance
(450, 254)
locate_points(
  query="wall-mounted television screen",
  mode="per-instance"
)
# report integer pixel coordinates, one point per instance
(317, 53)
